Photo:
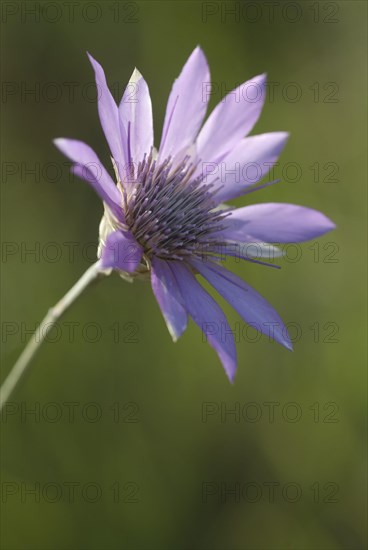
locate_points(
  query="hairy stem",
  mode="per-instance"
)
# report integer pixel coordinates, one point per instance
(42, 330)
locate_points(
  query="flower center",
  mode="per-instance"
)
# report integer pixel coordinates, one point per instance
(171, 213)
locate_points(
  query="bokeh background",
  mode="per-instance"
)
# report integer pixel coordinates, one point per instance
(132, 443)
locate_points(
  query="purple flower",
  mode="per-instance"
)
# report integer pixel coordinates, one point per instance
(164, 219)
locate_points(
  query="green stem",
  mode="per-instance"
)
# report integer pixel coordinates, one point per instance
(44, 328)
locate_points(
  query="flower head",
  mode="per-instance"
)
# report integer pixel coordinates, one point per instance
(164, 218)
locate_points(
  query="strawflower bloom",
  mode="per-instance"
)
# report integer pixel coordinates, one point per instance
(165, 218)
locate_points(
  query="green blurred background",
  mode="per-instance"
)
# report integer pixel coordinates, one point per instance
(156, 458)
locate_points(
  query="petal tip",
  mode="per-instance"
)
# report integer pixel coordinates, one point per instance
(198, 52)
(95, 64)
(136, 75)
(285, 340)
(57, 141)
(61, 144)
(325, 225)
(230, 366)
(288, 345)
(174, 336)
(231, 377)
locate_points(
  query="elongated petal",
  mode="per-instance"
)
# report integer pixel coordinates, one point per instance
(248, 163)
(89, 167)
(136, 113)
(168, 296)
(186, 106)
(121, 251)
(208, 316)
(110, 122)
(250, 305)
(277, 222)
(232, 119)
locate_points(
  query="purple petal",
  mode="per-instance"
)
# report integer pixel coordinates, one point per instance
(206, 313)
(169, 298)
(277, 223)
(136, 108)
(250, 305)
(248, 163)
(186, 106)
(109, 117)
(89, 167)
(232, 119)
(121, 251)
